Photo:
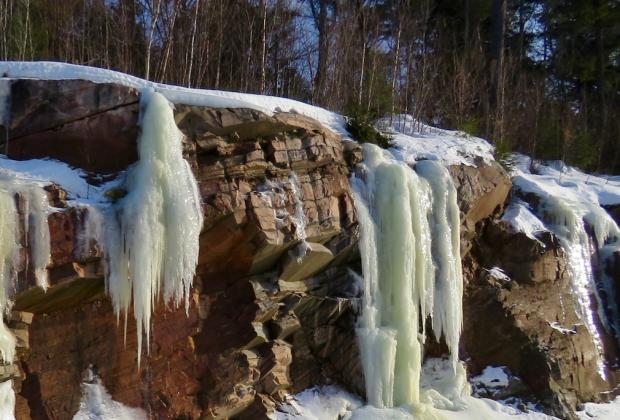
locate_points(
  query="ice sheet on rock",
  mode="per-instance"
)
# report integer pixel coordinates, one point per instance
(45, 171)
(7, 401)
(175, 94)
(151, 235)
(498, 273)
(97, 404)
(521, 218)
(415, 141)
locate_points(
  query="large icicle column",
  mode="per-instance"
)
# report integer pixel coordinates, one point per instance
(35, 209)
(151, 238)
(412, 270)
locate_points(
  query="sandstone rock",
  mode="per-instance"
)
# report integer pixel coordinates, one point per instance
(75, 121)
(296, 268)
(482, 192)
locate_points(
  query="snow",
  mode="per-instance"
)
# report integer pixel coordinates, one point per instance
(151, 236)
(331, 402)
(415, 141)
(175, 94)
(46, 171)
(555, 178)
(558, 327)
(97, 404)
(409, 246)
(520, 217)
(602, 411)
(498, 273)
(492, 377)
(7, 401)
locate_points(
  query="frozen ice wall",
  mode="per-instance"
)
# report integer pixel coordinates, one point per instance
(569, 206)
(411, 266)
(151, 235)
(34, 208)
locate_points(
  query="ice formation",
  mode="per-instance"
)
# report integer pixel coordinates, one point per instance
(151, 234)
(299, 217)
(7, 401)
(411, 266)
(569, 207)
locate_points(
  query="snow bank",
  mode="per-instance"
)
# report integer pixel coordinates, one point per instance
(492, 377)
(175, 94)
(97, 404)
(605, 411)
(415, 141)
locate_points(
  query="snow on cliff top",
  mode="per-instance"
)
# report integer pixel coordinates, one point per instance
(556, 178)
(414, 141)
(46, 70)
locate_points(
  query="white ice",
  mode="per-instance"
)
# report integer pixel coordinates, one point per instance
(601, 411)
(411, 267)
(7, 401)
(521, 218)
(151, 235)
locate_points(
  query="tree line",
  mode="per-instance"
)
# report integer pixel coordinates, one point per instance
(537, 76)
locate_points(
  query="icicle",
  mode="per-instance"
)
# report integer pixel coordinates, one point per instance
(448, 312)
(401, 284)
(7, 401)
(151, 235)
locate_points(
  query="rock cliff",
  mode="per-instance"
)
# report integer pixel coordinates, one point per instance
(263, 323)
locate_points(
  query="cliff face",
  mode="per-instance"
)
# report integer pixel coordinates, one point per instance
(262, 322)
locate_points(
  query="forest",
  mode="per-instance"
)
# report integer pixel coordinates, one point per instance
(539, 77)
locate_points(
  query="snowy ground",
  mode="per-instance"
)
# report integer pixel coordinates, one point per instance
(97, 404)
(414, 141)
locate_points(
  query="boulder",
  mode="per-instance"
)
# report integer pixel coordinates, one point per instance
(304, 261)
(76, 121)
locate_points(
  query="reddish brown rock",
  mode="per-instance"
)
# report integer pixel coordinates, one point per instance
(81, 123)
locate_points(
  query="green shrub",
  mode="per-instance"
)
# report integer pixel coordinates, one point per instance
(503, 155)
(471, 126)
(363, 131)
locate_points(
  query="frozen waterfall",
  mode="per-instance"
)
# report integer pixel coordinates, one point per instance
(151, 234)
(570, 223)
(409, 223)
